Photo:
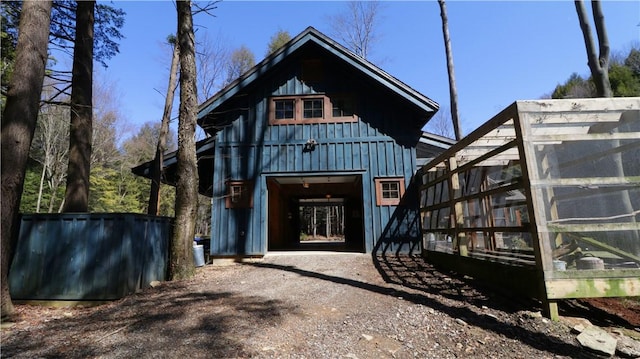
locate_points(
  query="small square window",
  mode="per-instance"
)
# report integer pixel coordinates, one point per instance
(285, 109)
(313, 108)
(239, 194)
(236, 193)
(389, 191)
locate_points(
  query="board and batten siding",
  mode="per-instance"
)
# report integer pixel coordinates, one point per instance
(251, 149)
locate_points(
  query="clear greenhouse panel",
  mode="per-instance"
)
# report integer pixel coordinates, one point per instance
(588, 177)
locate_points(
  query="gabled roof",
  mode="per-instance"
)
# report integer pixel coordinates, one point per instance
(205, 148)
(312, 35)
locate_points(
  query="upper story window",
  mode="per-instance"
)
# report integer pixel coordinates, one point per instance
(342, 106)
(311, 109)
(284, 109)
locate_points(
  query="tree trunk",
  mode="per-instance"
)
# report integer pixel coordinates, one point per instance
(18, 126)
(327, 221)
(598, 64)
(453, 91)
(40, 188)
(315, 223)
(181, 262)
(156, 166)
(80, 130)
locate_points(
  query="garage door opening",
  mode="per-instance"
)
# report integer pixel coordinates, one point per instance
(315, 213)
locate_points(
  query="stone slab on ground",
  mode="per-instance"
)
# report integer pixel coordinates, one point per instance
(597, 340)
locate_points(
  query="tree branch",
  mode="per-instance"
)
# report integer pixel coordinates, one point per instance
(210, 6)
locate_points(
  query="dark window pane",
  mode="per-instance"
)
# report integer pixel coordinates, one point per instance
(342, 107)
(390, 190)
(284, 109)
(312, 108)
(236, 193)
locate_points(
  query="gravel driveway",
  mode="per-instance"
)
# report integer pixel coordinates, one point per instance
(322, 305)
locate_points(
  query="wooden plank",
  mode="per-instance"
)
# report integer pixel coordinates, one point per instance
(503, 259)
(570, 118)
(561, 137)
(595, 105)
(598, 155)
(608, 248)
(486, 156)
(593, 287)
(586, 182)
(598, 227)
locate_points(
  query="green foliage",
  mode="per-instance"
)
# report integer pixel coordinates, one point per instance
(51, 199)
(8, 40)
(624, 78)
(139, 149)
(633, 62)
(277, 41)
(114, 188)
(623, 82)
(108, 192)
(167, 201)
(30, 192)
(575, 87)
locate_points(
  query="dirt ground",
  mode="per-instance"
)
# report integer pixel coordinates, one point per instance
(308, 306)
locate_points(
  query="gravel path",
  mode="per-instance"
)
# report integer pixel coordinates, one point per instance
(299, 306)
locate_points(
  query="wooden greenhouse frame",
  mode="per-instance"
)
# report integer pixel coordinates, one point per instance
(543, 199)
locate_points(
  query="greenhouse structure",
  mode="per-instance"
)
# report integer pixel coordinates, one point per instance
(543, 199)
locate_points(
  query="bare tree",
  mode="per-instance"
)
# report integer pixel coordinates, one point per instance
(106, 118)
(212, 60)
(356, 27)
(49, 148)
(453, 91)
(598, 62)
(441, 124)
(80, 133)
(19, 120)
(156, 165)
(181, 253)
(241, 60)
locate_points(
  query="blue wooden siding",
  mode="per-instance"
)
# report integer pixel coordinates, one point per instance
(251, 149)
(88, 256)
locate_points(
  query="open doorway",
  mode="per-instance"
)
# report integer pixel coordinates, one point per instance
(321, 220)
(315, 213)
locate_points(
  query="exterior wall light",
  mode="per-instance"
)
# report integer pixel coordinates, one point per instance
(310, 145)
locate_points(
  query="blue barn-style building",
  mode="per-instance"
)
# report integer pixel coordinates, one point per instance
(313, 124)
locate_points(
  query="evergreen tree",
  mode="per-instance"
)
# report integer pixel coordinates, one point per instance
(277, 41)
